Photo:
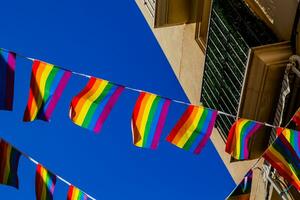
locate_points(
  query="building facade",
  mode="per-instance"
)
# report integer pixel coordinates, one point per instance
(232, 55)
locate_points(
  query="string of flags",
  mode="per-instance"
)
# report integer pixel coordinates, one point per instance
(44, 180)
(92, 106)
(283, 154)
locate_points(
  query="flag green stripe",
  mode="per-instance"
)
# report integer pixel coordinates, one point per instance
(94, 105)
(49, 82)
(150, 119)
(195, 133)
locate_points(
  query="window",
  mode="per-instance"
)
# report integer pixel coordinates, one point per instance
(202, 22)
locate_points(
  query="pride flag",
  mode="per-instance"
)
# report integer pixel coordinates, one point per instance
(243, 189)
(44, 183)
(9, 162)
(46, 86)
(148, 119)
(296, 117)
(292, 136)
(282, 156)
(92, 105)
(238, 138)
(7, 78)
(193, 128)
(75, 194)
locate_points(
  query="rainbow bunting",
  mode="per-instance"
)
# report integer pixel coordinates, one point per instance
(9, 162)
(238, 138)
(292, 136)
(193, 128)
(148, 119)
(75, 194)
(7, 77)
(296, 117)
(242, 190)
(44, 183)
(284, 159)
(46, 86)
(93, 104)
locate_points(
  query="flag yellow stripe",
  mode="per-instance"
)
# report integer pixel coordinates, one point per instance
(7, 164)
(44, 175)
(88, 102)
(192, 128)
(34, 104)
(147, 104)
(185, 126)
(280, 160)
(238, 138)
(75, 194)
(41, 86)
(85, 98)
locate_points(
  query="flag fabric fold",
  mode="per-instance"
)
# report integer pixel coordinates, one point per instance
(193, 129)
(46, 86)
(75, 194)
(7, 78)
(243, 189)
(238, 138)
(283, 157)
(44, 183)
(148, 119)
(91, 107)
(9, 162)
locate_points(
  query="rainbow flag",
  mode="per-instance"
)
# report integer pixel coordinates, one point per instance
(75, 194)
(292, 136)
(238, 138)
(46, 86)
(44, 183)
(242, 190)
(193, 129)
(148, 119)
(296, 117)
(7, 78)
(282, 156)
(9, 162)
(93, 104)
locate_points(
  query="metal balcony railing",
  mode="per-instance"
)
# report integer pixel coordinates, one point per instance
(233, 30)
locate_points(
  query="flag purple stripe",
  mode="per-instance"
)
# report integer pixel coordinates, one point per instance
(207, 136)
(107, 108)
(160, 124)
(57, 94)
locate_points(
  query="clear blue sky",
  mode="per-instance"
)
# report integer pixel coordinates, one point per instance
(110, 40)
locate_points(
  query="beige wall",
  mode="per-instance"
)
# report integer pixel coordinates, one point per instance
(187, 60)
(182, 52)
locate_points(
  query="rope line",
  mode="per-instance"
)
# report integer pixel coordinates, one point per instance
(139, 90)
(36, 163)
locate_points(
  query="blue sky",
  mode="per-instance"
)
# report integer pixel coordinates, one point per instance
(109, 40)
